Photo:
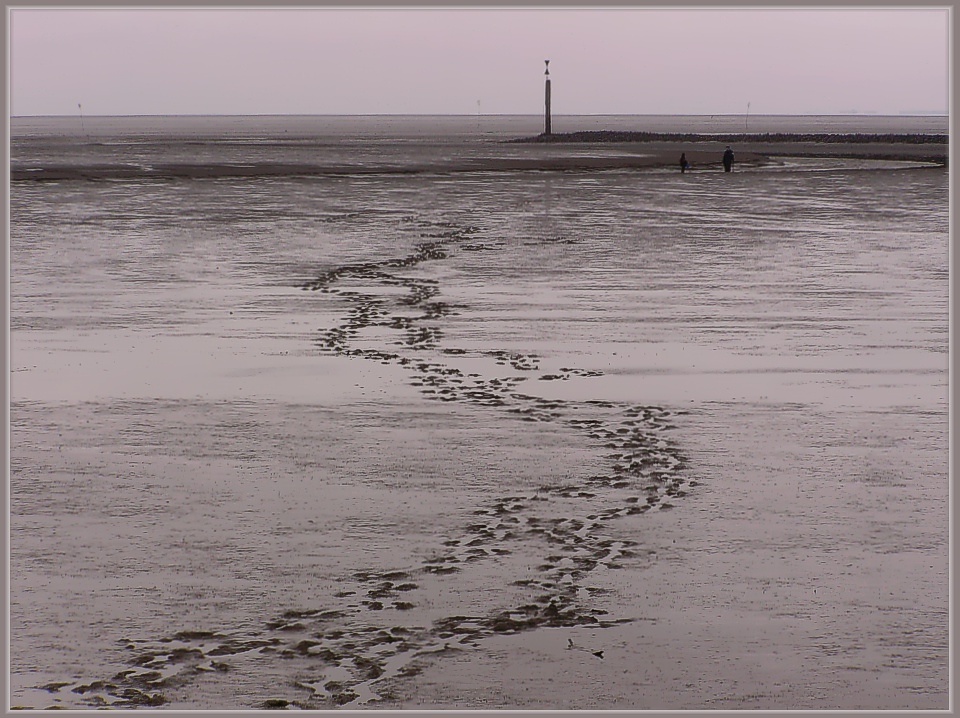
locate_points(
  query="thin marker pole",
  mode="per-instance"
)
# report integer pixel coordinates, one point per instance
(546, 101)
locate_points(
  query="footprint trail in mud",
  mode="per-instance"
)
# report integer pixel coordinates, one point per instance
(341, 655)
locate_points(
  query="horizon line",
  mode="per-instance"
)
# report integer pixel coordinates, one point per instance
(916, 113)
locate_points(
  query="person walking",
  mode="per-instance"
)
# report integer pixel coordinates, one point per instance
(684, 165)
(728, 159)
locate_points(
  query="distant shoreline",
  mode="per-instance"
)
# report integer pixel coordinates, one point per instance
(560, 152)
(880, 146)
(660, 155)
(619, 136)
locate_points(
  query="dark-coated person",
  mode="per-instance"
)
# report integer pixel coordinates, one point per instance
(728, 159)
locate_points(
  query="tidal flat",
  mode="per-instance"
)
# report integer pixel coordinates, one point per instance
(513, 438)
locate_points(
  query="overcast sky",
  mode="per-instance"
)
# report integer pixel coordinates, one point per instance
(461, 61)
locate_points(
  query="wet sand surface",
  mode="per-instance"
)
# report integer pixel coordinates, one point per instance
(424, 477)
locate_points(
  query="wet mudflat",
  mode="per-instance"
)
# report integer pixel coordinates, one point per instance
(629, 440)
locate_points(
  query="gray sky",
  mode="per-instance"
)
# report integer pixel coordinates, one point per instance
(445, 61)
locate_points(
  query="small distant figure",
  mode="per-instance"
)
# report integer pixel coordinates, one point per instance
(728, 159)
(684, 165)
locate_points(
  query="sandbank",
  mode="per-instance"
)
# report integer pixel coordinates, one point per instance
(577, 151)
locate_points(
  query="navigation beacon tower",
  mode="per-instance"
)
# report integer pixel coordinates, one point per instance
(546, 100)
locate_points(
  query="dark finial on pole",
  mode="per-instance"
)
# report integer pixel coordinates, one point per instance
(546, 113)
